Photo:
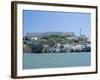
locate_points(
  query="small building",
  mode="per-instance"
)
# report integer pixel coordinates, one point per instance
(72, 38)
(34, 38)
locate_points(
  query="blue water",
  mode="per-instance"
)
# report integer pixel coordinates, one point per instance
(53, 60)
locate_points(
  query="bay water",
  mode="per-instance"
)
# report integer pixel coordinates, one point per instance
(56, 60)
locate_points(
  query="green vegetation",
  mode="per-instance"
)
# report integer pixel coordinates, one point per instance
(55, 39)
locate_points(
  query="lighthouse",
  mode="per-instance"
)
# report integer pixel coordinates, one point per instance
(80, 32)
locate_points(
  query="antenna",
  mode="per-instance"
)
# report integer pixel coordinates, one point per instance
(80, 31)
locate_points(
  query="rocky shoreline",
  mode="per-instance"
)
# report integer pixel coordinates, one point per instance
(58, 48)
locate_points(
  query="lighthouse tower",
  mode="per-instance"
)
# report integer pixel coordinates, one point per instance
(80, 32)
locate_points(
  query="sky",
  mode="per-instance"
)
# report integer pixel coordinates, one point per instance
(47, 21)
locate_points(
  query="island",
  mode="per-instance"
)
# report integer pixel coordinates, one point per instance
(55, 42)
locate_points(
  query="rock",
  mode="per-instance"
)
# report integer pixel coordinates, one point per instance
(26, 49)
